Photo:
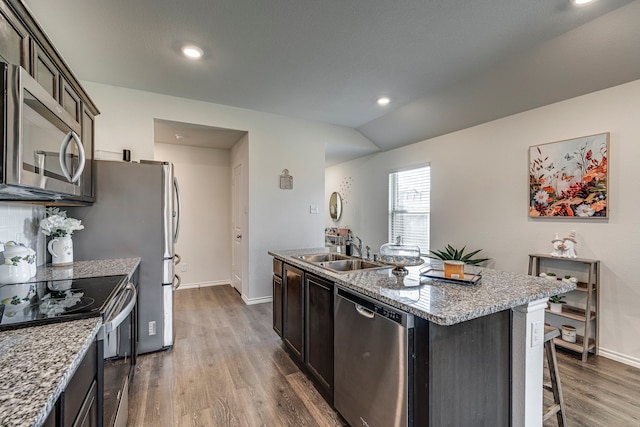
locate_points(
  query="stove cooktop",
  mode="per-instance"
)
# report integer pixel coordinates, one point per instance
(38, 303)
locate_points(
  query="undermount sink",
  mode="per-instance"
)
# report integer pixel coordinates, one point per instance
(340, 263)
(324, 257)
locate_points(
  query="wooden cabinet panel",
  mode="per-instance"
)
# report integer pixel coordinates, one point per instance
(319, 330)
(45, 71)
(70, 100)
(88, 414)
(80, 386)
(14, 39)
(277, 305)
(87, 137)
(293, 313)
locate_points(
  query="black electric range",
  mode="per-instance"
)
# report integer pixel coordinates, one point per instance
(39, 303)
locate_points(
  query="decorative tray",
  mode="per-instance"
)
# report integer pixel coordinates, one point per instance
(469, 279)
(400, 261)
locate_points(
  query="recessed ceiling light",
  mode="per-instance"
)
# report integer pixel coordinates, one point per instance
(179, 136)
(383, 100)
(581, 2)
(192, 52)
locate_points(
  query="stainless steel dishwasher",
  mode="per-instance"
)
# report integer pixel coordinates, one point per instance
(373, 362)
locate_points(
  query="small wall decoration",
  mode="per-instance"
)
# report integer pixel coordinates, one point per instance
(345, 189)
(570, 178)
(286, 180)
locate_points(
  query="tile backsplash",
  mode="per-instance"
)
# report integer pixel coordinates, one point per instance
(19, 222)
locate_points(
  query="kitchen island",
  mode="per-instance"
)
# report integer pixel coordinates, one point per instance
(37, 363)
(479, 344)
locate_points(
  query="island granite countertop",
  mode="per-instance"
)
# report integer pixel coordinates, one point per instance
(36, 363)
(440, 302)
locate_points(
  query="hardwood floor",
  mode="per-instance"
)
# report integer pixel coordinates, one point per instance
(228, 368)
(598, 393)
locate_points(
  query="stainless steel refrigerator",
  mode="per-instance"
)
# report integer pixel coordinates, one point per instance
(137, 214)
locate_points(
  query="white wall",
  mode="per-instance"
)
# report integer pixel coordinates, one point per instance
(480, 198)
(19, 222)
(203, 244)
(277, 218)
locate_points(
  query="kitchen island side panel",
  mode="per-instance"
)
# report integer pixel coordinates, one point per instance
(462, 372)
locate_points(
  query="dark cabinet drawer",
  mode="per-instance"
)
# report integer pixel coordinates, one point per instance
(79, 386)
(277, 267)
(319, 330)
(293, 310)
(277, 304)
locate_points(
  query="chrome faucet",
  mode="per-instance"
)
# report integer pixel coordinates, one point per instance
(359, 246)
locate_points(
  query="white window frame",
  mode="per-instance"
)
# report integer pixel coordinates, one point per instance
(422, 206)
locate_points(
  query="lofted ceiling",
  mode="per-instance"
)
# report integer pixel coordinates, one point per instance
(446, 65)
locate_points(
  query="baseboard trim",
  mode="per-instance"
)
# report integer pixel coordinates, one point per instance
(618, 357)
(202, 284)
(251, 301)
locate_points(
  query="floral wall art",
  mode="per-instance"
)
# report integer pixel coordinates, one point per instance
(569, 178)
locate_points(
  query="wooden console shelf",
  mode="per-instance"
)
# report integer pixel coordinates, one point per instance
(576, 314)
(577, 346)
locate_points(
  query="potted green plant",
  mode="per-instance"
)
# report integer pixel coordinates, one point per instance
(452, 254)
(555, 303)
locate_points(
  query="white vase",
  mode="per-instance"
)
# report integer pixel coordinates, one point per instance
(555, 307)
(61, 250)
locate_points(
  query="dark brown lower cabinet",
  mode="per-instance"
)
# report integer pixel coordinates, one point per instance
(319, 330)
(77, 406)
(293, 310)
(277, 304)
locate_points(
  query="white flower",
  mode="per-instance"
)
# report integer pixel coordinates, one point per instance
(584, 210)
(541, 197)
(56, 224)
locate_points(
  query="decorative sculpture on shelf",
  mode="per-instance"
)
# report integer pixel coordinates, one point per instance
(565, 247)
(558, 246)
(570, 245)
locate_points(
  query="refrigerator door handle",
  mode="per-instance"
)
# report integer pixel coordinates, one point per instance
(179, 282)
(179, 205)
(176, 259)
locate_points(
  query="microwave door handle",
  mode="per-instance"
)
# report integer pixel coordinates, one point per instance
(81, 157)
(63, 153)
(179, 204)
(119, 318)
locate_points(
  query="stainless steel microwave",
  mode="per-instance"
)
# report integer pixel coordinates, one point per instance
(43, 156)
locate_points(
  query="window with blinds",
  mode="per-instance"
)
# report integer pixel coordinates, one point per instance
(410, 206)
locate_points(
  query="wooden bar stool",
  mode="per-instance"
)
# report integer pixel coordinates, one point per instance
(558, 406)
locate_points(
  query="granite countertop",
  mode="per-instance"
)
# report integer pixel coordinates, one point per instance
(83, 269)
(36, 365)
(440, 302)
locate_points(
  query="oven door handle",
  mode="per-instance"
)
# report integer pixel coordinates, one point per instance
(119, 318)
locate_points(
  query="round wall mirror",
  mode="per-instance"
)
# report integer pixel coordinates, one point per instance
(335, 206)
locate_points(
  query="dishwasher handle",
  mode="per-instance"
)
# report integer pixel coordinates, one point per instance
(364, 312)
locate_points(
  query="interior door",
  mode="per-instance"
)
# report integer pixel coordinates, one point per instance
(237, 227)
